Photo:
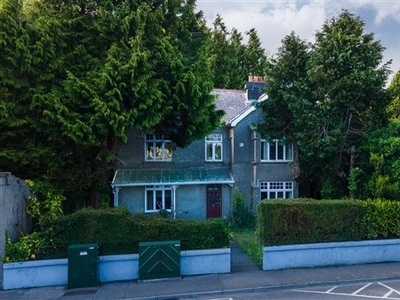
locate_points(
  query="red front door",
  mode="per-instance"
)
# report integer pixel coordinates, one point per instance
(214, 201)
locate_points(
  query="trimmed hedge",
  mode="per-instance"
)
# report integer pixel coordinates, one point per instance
(381, 219)
(299, 221)
(118, 231)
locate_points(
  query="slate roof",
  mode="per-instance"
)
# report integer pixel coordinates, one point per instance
(237, 102)
(233, 102)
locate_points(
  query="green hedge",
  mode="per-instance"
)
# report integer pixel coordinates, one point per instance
(381, 219)
(299, 221)
(117, 231)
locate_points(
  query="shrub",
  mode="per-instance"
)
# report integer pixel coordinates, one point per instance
(45, 204)
(117, 231)
(243, 218)
(381, 219)
(29, 247)
(299, 221)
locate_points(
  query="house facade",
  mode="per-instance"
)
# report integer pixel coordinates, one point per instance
(198, 182)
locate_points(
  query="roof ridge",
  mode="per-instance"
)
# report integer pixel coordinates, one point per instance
(229, 90)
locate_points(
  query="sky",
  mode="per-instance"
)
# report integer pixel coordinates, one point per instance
(273, 20)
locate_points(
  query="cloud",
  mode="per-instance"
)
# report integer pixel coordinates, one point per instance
(273, 20)
(386, 9)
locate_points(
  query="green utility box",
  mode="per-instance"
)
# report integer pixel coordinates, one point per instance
(161, 259)
(83, 265)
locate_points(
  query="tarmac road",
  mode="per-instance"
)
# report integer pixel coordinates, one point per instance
(388, 290)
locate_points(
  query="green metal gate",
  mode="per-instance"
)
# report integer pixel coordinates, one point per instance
(161, 259)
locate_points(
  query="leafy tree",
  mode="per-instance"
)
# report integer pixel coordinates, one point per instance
(394, 88)
(379, 178)
(289, 110)
(335, 96)
(75, 75)
(255, 55)
(238, 72)
(233, 60)
(350, 83)
(220, 52)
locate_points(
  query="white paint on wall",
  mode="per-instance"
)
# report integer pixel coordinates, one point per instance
(329, 254)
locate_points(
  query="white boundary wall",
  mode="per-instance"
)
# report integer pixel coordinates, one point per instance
(111, 268)
(329, 254)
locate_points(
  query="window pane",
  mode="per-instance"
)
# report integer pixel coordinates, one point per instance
(263, 151)
(280, 151)
(280, 195)
(214, 137)
(158, 154)
(150, 151)
(218, 151)
(289, 195)
(168, 199)
(272, 195)
(289, 151)
(272, 151)
(158, 200)
(149, 200)
(168, 151)
(264, 195)
(209, 151)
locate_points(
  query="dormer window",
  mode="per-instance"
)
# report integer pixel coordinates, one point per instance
(276, 151)
(157, 148)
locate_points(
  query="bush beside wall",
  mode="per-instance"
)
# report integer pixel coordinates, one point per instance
(381, 219)
(299, 221)
(118, 231)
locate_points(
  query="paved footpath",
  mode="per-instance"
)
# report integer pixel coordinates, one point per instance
(245, 277)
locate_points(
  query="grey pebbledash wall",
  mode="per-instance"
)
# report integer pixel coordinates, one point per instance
(13, 217)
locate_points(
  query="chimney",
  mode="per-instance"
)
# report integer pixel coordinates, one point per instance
(254, 87)
(257, 78)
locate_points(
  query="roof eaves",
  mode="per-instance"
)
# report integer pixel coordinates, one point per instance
(231, 181)
(237, 119)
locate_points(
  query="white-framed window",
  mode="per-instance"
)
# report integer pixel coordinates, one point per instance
(276, 150)
(158, 198)
(276, 189)
(157, 148)
(214, 147)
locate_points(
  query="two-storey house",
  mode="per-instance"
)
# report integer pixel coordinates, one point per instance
(198, 182)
